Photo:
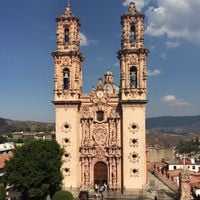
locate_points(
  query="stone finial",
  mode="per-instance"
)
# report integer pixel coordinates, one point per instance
(68, 11)
(100, 84)
(132, 7)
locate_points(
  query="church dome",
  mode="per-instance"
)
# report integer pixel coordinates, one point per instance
(109, 85)
(111, 88)
(108, 73)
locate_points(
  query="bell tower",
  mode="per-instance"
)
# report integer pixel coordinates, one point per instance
(133, 91)
(68, 58)
(67, 90)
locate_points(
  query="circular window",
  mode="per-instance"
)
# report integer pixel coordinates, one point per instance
(66, 155)
(133, 126)
(66, 126)
(134, 141)
(134, 156)
(66, 140)
(67, 170)
(135, 171)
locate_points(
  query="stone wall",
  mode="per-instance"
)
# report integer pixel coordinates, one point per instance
(158, 154)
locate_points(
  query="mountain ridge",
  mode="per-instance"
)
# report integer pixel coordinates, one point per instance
(163, 124)
(174, 124)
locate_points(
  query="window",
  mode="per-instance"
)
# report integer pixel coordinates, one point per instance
(66, 33)
(100, 116)
(133, 77)
(193, 167)
(66, 83)
(133, 34)
(174, 167)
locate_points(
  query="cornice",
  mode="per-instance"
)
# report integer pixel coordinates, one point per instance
(131, 51)
(69, 102)
(69, 53)
(133, 102)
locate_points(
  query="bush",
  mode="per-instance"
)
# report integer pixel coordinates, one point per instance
(2, 192)
(63, 195)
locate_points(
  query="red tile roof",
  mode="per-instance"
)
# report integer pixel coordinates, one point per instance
(3, 158)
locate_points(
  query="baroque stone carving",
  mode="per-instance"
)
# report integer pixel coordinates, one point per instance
(66, 142)
(113, 133)
(134, 172)
(66, 171)
(133, 127)
(100, 135)
(85, 112)
(133, 142)
(66, 128)
(100, 153)
(66, 157)
(134, 157)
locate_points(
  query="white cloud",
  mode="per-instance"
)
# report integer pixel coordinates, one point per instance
(154, 72)
(177, 19)
(84, 40)
(172, 45)
(171, 100)
(139, 3)
(116, 64)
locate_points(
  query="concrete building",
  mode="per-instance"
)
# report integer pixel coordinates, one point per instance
(102, 133)
(193, 167)
(7, 147)
(33, 135)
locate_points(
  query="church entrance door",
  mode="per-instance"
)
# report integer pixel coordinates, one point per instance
(100, 173)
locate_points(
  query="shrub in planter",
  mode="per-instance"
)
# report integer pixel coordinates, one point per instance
(63, 195)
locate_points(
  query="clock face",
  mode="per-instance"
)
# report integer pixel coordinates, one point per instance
(100, 94)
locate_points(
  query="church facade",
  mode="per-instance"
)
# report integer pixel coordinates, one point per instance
(103, 132)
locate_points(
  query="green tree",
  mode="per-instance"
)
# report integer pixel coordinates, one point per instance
(2, 139)
(2, 191)
(189, 146)
(34, 169)
(63, 195)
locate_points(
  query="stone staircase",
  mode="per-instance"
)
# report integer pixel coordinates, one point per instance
(145, 195)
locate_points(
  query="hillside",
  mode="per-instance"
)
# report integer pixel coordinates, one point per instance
(8, 126)
(176, 125)
(164, 131)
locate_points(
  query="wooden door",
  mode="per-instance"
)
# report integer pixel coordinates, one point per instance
(100, 173)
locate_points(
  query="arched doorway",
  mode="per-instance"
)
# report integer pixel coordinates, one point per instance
(100, 173)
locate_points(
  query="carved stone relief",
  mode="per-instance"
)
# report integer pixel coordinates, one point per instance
(86, 133)
(134, 157)
(113, 133)
(67, 156)
(133, 142)
(134, 172)
(100, 153)
(66, 171)
(133, 127)
(100, 136)
(66, 127)
(85, 112)
(66, 142)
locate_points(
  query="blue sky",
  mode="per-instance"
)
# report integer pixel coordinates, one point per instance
(28, 37)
